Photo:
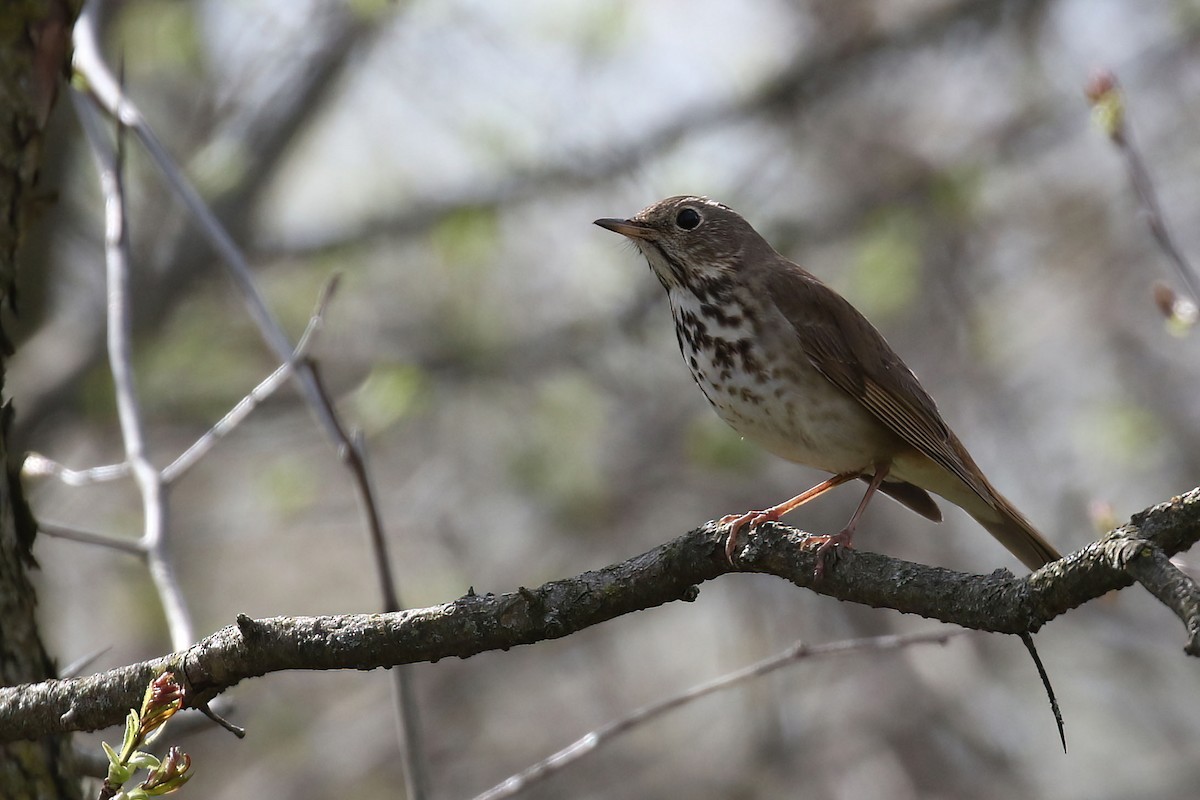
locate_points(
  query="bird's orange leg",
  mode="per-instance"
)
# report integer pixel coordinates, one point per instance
(845, 536)
(752, 519)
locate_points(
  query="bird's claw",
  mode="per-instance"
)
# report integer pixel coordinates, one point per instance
(826, 546)
(748, 521)
(827, 550)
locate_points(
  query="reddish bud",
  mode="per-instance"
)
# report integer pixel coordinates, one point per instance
(1108, 106)
(1100, 83)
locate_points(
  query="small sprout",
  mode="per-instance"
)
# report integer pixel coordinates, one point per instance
(1108, 104)
(131, 739)
(118, 771)
(163, 698)
(169, 775)
(1100, 83)
(1180, 312)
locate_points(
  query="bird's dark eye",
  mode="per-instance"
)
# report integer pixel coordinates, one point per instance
(688, 219)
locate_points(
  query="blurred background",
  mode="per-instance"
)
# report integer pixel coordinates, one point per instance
(526, 410)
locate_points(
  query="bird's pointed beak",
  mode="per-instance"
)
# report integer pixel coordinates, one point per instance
(627, 227)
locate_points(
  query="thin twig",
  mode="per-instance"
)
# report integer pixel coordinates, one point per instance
(408, 728)
(257, 396)
(107, 91)
(404, 697)
(37, 465)
(1173, 587)
(77, 666)
(356, 461)
(1108, 104)
(1027, 640)
(236, 730)
(104, 87)
(132, 546)
(1139, 176)
(263, 133)
(604, 734)
(109, 162)
(409, 733)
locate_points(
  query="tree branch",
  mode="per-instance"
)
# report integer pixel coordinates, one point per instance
(589, 743)
(472, 624)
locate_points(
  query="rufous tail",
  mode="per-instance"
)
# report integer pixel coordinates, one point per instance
(1016, 533)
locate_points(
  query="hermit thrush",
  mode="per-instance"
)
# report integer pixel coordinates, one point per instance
(788, 363)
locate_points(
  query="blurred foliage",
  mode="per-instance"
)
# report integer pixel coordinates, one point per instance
(712, 444)
(370, 9)
(292, 289)
(219, 166)
(162, 35)
(954, 193)
(466, 241)
(390, 393)
(885, 274)
(1125, 434)
(195, 369)
(560, 460)
(95, 396)
(289, 486)
(473, 318)
(201, 363)
(602, 28)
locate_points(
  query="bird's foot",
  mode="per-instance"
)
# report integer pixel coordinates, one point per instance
(827, 550)
(748, 521)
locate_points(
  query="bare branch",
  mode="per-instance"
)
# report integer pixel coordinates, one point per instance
(120, 355)
(37, 465)
(1108, 105)
(105, 88)
(1175, 589)
(90, 63)
(999, 602)
(132, 546)
(258, 395)
(602, 735)
(1027, 640)
(264, 133)
(77, 666)
(408, 733)
(407, 716)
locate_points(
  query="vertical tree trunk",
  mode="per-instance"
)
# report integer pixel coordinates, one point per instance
(34, 55)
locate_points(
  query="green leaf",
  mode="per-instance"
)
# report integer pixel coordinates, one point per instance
(130, 742)
(113, 758)
(143, 760)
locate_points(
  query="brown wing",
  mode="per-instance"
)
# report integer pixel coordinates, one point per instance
(847, 350)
